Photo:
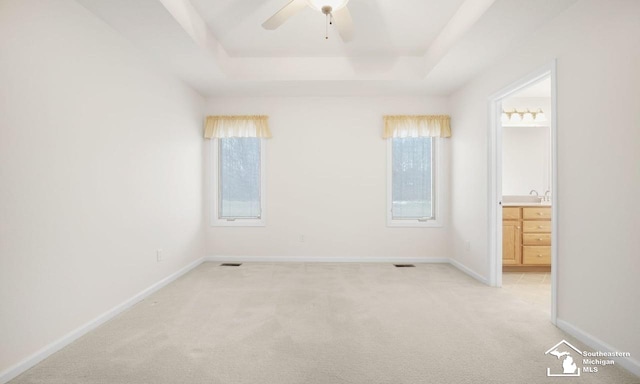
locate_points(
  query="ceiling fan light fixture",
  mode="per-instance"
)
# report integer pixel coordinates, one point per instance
(334, 4)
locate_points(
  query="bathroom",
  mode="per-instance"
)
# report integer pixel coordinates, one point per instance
(527, 180)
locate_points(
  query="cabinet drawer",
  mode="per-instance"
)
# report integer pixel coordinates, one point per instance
(536, 226)
(532, 255)
(510, 213)
(534, 213)
(536, 239)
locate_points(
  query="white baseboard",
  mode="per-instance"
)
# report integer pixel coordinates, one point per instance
(326, 259)
(350, 259)
(69, 338)
(628, 363)
(468, 271)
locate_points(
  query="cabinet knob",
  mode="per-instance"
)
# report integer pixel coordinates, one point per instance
(540, 239)
(517, 227)
(540, 226)
(539, 213)
(539, 255)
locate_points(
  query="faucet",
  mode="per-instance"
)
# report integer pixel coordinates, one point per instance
(547, 195)
(534, 191)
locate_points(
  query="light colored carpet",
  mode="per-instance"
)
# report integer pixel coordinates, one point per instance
(320, 323)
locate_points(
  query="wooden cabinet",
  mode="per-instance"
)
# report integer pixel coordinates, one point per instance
(536, 255)
(536, 226)
(511, 213)
(511, 248)
(511, 236)
(536, 213)
(526, 238)
(536, 239)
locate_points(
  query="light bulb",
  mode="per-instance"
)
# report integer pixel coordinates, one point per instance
(527, 117)
(515, 117)
(504, 118)
(334, 4)
(540, 116)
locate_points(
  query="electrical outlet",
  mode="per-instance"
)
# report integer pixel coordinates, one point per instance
(301, 238)
(467, 245)
(159, 255)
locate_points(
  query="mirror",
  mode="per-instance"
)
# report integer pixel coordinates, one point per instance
(526, 147)
(525, 160)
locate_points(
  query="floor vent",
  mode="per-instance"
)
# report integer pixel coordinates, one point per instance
(404, 265)
(230, 265)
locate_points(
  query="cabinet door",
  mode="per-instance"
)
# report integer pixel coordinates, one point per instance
(511, 250)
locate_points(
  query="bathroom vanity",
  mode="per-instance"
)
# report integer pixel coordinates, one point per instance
(526, 237)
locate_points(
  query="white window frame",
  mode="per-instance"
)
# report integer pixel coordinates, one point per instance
(436, 190)
(216, 221)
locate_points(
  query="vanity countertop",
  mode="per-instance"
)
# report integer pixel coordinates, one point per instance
(524, 201)
(517, 204)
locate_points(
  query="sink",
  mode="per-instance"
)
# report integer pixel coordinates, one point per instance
(523, 200)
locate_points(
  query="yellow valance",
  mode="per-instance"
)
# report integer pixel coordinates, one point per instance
(417, 126)
(236, 126)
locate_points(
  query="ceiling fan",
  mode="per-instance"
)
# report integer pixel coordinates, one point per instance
(336, 11)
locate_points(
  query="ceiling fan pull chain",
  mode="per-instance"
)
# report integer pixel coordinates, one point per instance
(326, 34)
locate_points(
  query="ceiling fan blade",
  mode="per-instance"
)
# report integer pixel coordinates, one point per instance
(284, 14)
(344, 23)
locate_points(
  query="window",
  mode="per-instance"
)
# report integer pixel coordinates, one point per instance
(238, 167)
(412, 168)
(412, 182)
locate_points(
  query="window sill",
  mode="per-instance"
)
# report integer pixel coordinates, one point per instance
(238, 223)
(414, 224)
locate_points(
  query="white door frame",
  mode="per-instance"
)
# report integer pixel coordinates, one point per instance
(495, 178)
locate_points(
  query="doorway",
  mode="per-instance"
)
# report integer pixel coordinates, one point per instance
(523, 181)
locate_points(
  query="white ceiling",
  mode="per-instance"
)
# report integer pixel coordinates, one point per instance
(408, 47)
(383, 28)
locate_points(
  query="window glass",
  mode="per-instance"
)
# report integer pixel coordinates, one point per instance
(239, 181)
(412, 178)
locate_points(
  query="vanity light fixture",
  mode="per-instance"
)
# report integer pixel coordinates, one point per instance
(539, 115)
(526, 116)
(507, 116)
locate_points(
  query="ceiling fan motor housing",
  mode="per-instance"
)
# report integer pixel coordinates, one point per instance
(334, 5)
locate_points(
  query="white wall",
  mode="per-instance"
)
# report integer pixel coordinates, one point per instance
(597, 47)
(326, 180)
(100, 165)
